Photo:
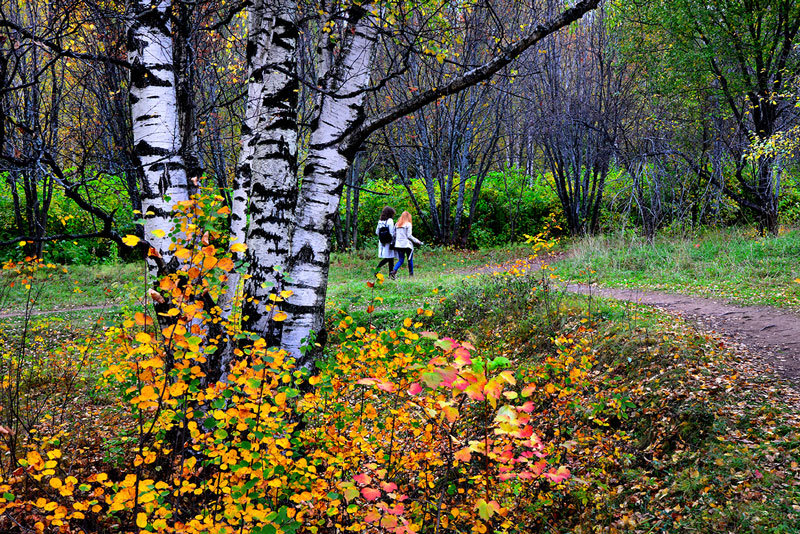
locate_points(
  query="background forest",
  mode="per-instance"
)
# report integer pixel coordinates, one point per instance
(654, 116)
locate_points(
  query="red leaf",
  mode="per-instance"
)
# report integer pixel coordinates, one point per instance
(388, 487)
(386, 386)
(559, 475)
(415, 389)
(363, 478)
(370, 494)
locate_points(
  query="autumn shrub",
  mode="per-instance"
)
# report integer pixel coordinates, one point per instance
(396, 431)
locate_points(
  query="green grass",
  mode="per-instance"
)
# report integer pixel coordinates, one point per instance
(735, 265)
(77, 286)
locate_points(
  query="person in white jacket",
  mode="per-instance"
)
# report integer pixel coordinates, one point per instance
(404, 243)
(385, 251)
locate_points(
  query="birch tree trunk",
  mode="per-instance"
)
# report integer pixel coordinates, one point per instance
(265, 187)
(328, 160)
(154, 111)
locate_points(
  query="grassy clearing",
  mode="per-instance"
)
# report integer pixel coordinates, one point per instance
(436, 271)
(736, 265)
(77, 286)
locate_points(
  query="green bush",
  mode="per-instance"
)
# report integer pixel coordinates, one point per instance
(66, 217)
(511, 204)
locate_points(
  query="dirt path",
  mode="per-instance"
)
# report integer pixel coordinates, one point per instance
(772, 333)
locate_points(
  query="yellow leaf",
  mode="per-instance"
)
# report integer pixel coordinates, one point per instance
(183, 253)
(130, 240)
(159, 233)
(142, 337)
(280, 316)
(141, 520)
(238, 247)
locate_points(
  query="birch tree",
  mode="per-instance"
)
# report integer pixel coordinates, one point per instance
(154, 111)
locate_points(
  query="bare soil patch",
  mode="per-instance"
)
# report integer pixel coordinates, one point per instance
(771, 333)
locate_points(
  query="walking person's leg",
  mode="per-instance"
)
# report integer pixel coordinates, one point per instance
(402, 253)
(411, 262)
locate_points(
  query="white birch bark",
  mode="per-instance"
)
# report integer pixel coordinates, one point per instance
(329, 157)
(267, 175)
(260, 33)
(154, 110)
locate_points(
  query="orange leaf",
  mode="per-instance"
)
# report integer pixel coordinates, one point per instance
(464, 455)
(226, 264)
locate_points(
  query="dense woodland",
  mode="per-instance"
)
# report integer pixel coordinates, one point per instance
(234, 146)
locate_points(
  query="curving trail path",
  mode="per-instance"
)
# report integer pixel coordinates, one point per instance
(772, 333)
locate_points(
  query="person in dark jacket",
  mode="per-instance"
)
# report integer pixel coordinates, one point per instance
(385, 252)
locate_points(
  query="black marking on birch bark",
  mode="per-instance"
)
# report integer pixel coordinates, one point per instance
(284, 98)
(281, 143)
(154, 212)
(279, 155)
(153, 18)
(144, 149)
(142, 77)
(306, 255)
(299, 309)
(282, 199)
(266, 235)
(168, 166)
(142, 118)
(285, 39)
(252, 47)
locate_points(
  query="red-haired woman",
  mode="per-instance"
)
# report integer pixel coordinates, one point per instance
(404, 243)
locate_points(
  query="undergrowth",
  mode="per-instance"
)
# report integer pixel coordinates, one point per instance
(663, 428)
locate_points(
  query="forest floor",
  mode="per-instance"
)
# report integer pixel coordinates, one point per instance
(672, 428)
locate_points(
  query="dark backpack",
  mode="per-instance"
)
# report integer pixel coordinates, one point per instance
(384, 234)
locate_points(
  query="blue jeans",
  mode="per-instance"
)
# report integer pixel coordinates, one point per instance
(403, 252)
